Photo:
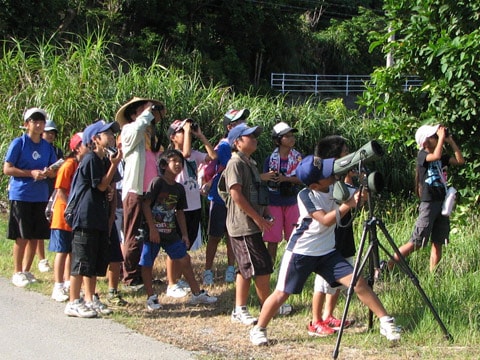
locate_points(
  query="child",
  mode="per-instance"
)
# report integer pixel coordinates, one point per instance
(61, 232)
(180, 134)
(218, 212)
(324, 295)
(279, 171)
(163, 204)
(247, 218)
(311, 248)
(90, 244)
(27, 163)
(431, 189)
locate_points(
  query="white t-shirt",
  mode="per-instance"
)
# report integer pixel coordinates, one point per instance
(311, 237)
(188, 178)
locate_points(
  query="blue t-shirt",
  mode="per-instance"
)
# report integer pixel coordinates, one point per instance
(224, 153)
(25, 154)
(91, 211)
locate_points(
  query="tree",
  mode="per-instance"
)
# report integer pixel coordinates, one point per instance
(439, 41)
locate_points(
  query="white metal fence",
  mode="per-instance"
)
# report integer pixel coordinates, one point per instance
(317, 84)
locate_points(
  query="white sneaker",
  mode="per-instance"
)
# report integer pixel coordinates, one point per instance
(389, 329)
(44, 266)
(208, 277)
(258, 336)
(285, 309)
(78, 308)
(20, 279)
(60, 294)
(184, 285)
(202, 298)
(153, 304)
(176, 291)
(99, 307)
(243, 316)
(31, 278)
(230, 274)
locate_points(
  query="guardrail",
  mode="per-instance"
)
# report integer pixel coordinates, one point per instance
(317, 84)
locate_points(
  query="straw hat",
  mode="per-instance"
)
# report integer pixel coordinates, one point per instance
(120, 116)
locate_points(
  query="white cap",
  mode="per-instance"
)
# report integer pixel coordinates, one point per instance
(27, 114)
(424, 132)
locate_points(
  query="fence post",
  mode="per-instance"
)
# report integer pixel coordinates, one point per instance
(347, 85)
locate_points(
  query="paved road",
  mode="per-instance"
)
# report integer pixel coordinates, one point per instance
(33, 327)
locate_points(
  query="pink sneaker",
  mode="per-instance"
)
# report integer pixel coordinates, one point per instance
(320, 329)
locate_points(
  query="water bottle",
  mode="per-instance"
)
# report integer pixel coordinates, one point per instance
(449, 201)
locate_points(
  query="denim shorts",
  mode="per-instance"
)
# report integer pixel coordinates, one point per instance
(60, 241)
(176, 250)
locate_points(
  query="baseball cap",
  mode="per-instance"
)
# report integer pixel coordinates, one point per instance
(28, 113)
(50, 126)
(424, 132)
(177, 125)
(281, 129)
(242, 130)
(312, 169)
(235, 115)
(75, 141)
(97, 128)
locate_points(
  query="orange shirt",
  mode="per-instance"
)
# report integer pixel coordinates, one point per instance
(63, 181)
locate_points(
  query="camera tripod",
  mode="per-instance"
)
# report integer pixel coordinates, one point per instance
(372, 257)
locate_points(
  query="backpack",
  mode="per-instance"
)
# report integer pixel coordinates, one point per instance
(211, 169)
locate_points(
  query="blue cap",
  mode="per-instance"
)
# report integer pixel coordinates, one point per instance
(242, 130)
(97, 128)
(312, 169)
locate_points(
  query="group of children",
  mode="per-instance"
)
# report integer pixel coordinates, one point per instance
(242, 206)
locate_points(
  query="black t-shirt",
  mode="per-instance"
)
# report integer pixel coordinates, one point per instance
(430, 177)
(166, 200)
(344, 240)
(91, 211)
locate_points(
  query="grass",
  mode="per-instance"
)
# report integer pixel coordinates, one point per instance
(453, 290)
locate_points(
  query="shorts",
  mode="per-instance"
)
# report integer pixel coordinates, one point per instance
(295, 270)
(321, 285)
(60, 241)
(217, 223)
(430, 224)
(176, 250)
(193, 223)
(90, 255)
(286, 218)
(114, 249)
(27, 221)
(119, 224)
(251, 255)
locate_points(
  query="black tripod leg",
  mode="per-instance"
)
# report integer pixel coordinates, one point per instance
(357, 270)
(408, 271)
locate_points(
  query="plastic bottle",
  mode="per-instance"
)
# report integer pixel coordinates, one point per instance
(449, 201)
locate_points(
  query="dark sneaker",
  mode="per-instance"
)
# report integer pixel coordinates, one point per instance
(115, 299)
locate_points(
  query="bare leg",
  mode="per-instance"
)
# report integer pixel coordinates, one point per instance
(435, 256)
(75, 286)
(90, 284)
(114, 275)
(242, 287)
(271, 306)
(212, 245)
(330, 304)
(262, 287)
(147, 275)
(405, 250)
(185, 264)
(40, 251)
(317, 304)
(29, 254)
(18, 254)
(59, 267)
(272, 250)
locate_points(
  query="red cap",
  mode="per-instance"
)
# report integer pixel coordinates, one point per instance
(76, 140)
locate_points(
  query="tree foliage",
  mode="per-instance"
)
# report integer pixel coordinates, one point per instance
(439, 41)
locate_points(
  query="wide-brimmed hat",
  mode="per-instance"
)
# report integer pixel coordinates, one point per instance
(28, 113)
(120, 115)
(281, 129)
(312, 169)
(424, 132)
